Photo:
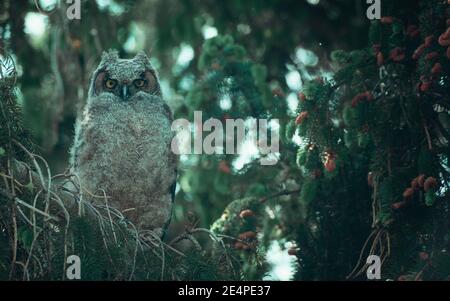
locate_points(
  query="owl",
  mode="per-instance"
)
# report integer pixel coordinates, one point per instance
(123, 139)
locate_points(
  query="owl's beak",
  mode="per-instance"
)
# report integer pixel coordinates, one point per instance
(125, 92)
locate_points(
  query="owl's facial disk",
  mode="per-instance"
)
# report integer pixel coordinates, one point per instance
(125, 89)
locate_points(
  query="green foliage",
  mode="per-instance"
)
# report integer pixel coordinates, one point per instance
(372, 119)
(309, 191)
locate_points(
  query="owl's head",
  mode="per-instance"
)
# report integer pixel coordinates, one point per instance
(124, 78)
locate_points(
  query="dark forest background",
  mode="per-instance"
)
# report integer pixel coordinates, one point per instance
(363, 119)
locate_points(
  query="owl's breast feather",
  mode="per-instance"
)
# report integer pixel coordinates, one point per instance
(128, 143)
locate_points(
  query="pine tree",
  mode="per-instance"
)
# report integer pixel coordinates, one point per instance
(373, 162)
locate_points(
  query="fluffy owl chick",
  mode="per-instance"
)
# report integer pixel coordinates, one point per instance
(123, 142)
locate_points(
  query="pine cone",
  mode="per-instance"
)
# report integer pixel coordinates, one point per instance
(387, 20)
(397, 54)
(398, 205)
(437, 69)
(415, 183)
(370, 179)
(239, 245)
(408, 193)
(424, 256)
(330, 165)
(302, 96)
(246, 213)
(247, 235)
(432, 55)
(300, 118)
(292, 251)
(421, 180)
(380, 59)
(429, 41)
(430, 183)
(418, 52)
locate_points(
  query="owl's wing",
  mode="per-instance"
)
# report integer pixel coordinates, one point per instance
(171, 191)
(168, 112)
(173, 187)
(173, 157)
(172, 195)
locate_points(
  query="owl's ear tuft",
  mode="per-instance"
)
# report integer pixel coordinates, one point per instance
(110, 56)
(142, 57)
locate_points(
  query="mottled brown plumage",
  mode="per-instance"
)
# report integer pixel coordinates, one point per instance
(123, 142)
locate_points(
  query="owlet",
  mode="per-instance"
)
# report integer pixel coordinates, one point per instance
(123, 142)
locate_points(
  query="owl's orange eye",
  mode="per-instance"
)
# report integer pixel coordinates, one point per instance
(110, 83)
(139, 83)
